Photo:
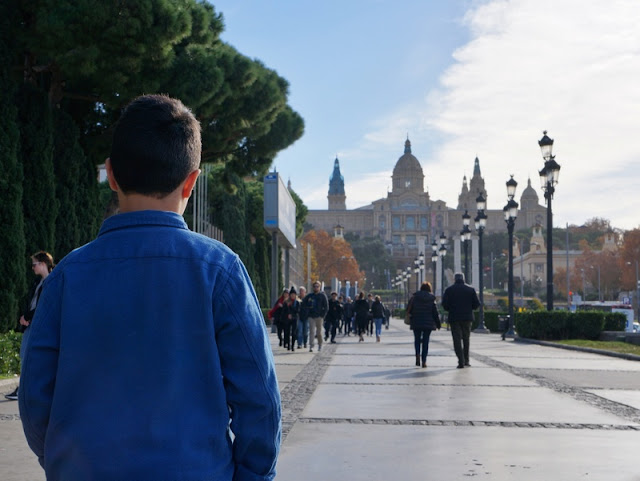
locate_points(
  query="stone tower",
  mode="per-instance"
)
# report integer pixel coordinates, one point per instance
(337, 198)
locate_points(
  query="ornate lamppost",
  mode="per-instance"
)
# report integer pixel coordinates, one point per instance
(510, 214)
(421, 266)
(480, 223)
(465, 234)
(434, 263)
(442, 252)
(407, 277)
(548, 179)
(416, 269)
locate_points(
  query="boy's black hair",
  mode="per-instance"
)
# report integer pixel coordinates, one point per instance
(156, 144)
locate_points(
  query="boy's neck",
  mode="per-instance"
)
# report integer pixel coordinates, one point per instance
(137, 202)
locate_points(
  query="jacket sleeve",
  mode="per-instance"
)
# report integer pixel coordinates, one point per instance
(249, 376)
(436, 315)
(39, 366)
(445, 300)
(324, 305)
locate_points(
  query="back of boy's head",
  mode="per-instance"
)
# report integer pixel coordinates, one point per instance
(156, 145)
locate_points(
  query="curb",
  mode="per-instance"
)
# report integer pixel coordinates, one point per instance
(621, 355)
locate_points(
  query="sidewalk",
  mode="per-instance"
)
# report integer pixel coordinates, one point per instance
(521, 412)
(364, 411)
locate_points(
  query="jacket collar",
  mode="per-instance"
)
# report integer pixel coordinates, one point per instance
(142, 217)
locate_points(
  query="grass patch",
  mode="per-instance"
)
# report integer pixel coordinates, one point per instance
(621, 347)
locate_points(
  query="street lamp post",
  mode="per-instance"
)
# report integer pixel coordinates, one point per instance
(407, 277)
(442, 252)
(434, 262)
(465, 234)
(510, 214)
(549, 178)
(480, 223)
(421, 266)
(416, 269)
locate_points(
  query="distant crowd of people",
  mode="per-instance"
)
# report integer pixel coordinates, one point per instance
(309, 317)
(302, 319)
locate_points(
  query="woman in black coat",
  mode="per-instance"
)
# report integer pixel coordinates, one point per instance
(361, 309)
(424, 318)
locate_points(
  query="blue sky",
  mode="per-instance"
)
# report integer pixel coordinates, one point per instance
(461, 78)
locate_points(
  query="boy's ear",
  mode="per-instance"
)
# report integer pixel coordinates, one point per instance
(110, 177)
(190, 183)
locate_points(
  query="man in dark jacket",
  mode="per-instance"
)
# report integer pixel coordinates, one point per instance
(315, 307)
(460, 300)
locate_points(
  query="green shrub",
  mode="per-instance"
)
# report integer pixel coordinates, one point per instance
(490, 320)
(10, 353)
(535, 304)
(399, 313)
(615, 321)
(558, 325)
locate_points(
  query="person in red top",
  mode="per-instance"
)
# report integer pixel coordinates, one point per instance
(274, 313)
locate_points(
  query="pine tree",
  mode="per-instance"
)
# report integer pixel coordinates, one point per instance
(12, 243)
(67, 161)
(39, 202)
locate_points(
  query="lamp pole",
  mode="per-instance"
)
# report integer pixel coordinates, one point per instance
(480, 223)
(434, 263)
(421, 266)
(549, 178)
(510, 214)
(442, 252)
(407, 276)
(465, 234)
(416, 269)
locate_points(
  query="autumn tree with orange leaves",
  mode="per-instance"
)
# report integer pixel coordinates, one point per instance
(332, 257)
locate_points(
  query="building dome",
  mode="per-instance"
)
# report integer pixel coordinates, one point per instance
(529, 198)
(407, 174)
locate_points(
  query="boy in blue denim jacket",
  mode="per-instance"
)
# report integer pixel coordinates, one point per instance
(148, 357)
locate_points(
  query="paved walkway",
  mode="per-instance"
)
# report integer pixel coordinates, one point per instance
(363, 411)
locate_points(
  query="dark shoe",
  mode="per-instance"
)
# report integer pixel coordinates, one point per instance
(418, 361)
(424, 363)
(280, 342)
(467, 364)
(13, 396)
(460, 366)
(310, 349)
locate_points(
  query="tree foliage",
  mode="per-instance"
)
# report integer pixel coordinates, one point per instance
(12, 243)
(333, 258)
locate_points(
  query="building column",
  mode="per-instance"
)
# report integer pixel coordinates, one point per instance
(457, 256)
(475, 263)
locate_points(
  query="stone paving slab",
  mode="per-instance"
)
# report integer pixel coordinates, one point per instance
(436, 359)
(435, 373)
(630, 398)
(592, 378)
(447, 402)
(449, 453)
(600, 363)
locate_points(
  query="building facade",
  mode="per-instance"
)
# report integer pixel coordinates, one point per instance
(408, 220)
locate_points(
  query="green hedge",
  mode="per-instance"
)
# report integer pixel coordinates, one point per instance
(399, 313)
(558, 325)
(615, 321)
(490, 320)
(10, 353)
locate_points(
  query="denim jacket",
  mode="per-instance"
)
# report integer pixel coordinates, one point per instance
(148, 359)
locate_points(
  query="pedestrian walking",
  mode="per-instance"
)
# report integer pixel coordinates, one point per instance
(290, 316)
(303, 321)
(149, 358)
(460, 300)
(42, 265)
(316, 306)
(275, 315)
(361, 310)
(347, 314)
(424, 318)
(334, 315)
(370, 315)
(377, 312)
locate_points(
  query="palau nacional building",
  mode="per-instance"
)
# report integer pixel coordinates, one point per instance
(408, 220)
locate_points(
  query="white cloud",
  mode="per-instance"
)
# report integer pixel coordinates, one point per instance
(567, 66)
